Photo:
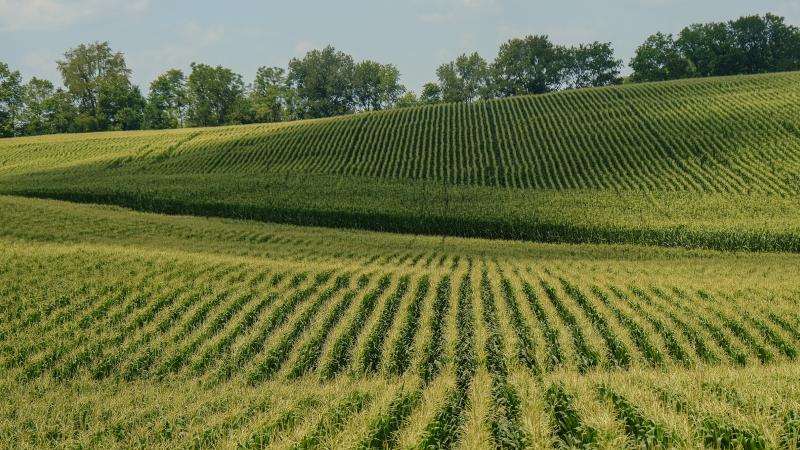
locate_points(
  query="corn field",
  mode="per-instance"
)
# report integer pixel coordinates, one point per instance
(711, 163)
(126, 329)
(720, 135)
(641, 289)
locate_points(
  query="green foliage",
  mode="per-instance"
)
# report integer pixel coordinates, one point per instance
(277, 355)
(342, 349)
(694, 338)
(383, 431)
(591, 65)
(749, 44)
(327, 82)
(674, 348)
(714, 432)
(504, 423)
(464, 80)
(531, 65)
(334, 419)
(263, 437)
(587, 356)
(373, 348)
(129, 329)
(464, 358)
(323, 80)
(618, 354)
(658, 59)
(433, 358)
(98, 80)
(407, 100)
(271, 97)
(309, 354)
(534, 65)
(555, 358)
(646, 432)
(168, 101)
(37, 115)
(568, 425)
(214, 95)
(431, 93)
(639, 336)
(791, 430)
(444, 430)
(404, 345)
(718, 434)
(11, 98)
(619, 164)
(376, 86)
(525, 343)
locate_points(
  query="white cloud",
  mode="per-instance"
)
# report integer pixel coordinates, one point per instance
(41, 62)
(576, 33)
(656, 2)
(439, 11)
(43, 15)
(191, 38)
(193, 42)
(303, 47)
(138, 6)
(191, 32)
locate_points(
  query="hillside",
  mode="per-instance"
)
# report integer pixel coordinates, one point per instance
(124, 329)
(709, 162)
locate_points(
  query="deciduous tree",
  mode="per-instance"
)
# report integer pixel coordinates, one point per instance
(464, 80)
(167, 101)
(407, 100)
(531, 65)
(324, 83)
(214, 95)
(431, 93)
(271, 97)
(99, 82)
(376, 86)
(37, 113)
(11, 96)
(591, 65)
(658, 59)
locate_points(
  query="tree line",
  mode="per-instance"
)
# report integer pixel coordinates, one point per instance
(98, 93)
(748, 45)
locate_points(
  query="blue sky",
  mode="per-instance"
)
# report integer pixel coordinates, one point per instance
(415, 35)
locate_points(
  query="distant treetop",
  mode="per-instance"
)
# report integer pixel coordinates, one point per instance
(99, 95)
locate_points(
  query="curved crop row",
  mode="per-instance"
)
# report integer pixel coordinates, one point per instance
(276, 356)
(400, 354)
(341, 350)
(504, 421)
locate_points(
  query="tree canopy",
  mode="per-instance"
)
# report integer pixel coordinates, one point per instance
(464, 80)
(214, 94)
(376, 86)
(272, 99)
(99, 81)
(531, 65)
(10, 99)
(748, 45)
(323, 81)
(168, 100)
(658, 59)
(98, 93)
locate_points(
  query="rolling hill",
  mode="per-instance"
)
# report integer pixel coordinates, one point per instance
(123, 327)
(709, 162)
